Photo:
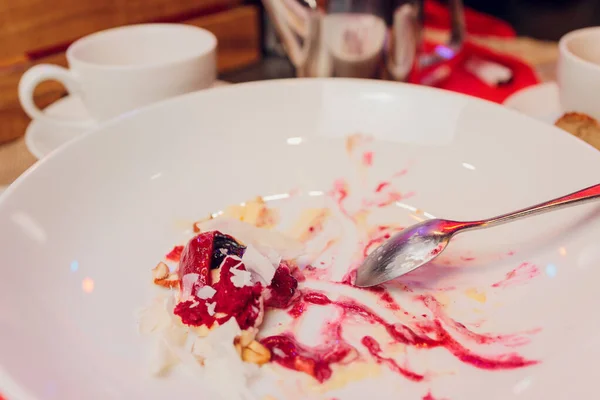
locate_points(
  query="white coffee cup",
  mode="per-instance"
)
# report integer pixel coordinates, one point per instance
(120, 69)
(578, 72)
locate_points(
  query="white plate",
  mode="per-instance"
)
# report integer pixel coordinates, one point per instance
(539, 101)
(43, 138)
(81, 231)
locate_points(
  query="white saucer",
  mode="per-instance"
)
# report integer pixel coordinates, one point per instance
(43, 138)
(540, 101)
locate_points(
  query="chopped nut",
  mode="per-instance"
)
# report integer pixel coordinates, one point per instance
(256, 353)
(197, 223)
(304, 365)
(215, 275)
(169, 282)
(220, 315)
(161, 271)
(247, 337)
(238, 348)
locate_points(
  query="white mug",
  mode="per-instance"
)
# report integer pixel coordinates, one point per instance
(578, 72)
(120, 69)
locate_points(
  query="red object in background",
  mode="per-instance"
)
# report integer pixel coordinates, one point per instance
(462, 81)
(437, 16)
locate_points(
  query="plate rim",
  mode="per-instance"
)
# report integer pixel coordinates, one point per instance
(272, 82)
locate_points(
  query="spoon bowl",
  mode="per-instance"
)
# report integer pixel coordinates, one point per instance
(419, 244)
(406, 251)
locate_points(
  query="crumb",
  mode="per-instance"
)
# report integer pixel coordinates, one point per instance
(581, 125)
(476, 295)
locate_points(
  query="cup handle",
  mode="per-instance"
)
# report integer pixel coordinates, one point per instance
(43, 72)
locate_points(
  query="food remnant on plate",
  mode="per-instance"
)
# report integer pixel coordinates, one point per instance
(476, 295)
(522, 273)
(239, 268)
(581, 125)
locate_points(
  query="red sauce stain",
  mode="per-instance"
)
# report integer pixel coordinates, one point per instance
(438, 249)
(316, 298)
(314, 361)
(297, 310)
(426, 334)
(382, 186)
(339, 194)
(519, 275)
(309, 297)
(429, 396)
(242, 303)
(379, 235)
(387, 198)
(432, 335)
(175, 254)
(349, 278)
(282, 289)
(367, 158)
(375, 350)
(374, 243)
(437, 310)
(463, 258)
(400, 173)
(389, 301)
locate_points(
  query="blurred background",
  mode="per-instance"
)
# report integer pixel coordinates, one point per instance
(542, 19)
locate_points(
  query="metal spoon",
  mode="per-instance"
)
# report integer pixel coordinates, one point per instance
(421, 243)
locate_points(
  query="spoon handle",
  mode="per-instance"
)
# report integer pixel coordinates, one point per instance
(579, 197)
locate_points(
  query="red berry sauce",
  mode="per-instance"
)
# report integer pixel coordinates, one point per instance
(375, 350)
(314, 361)
(282, 289)
(425, 334)
(242, 303)
(522, 273)
(434, 329)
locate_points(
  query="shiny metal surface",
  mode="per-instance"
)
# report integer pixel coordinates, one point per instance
(421, 243)
(360, 38)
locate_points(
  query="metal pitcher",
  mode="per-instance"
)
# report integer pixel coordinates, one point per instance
(359, 38)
